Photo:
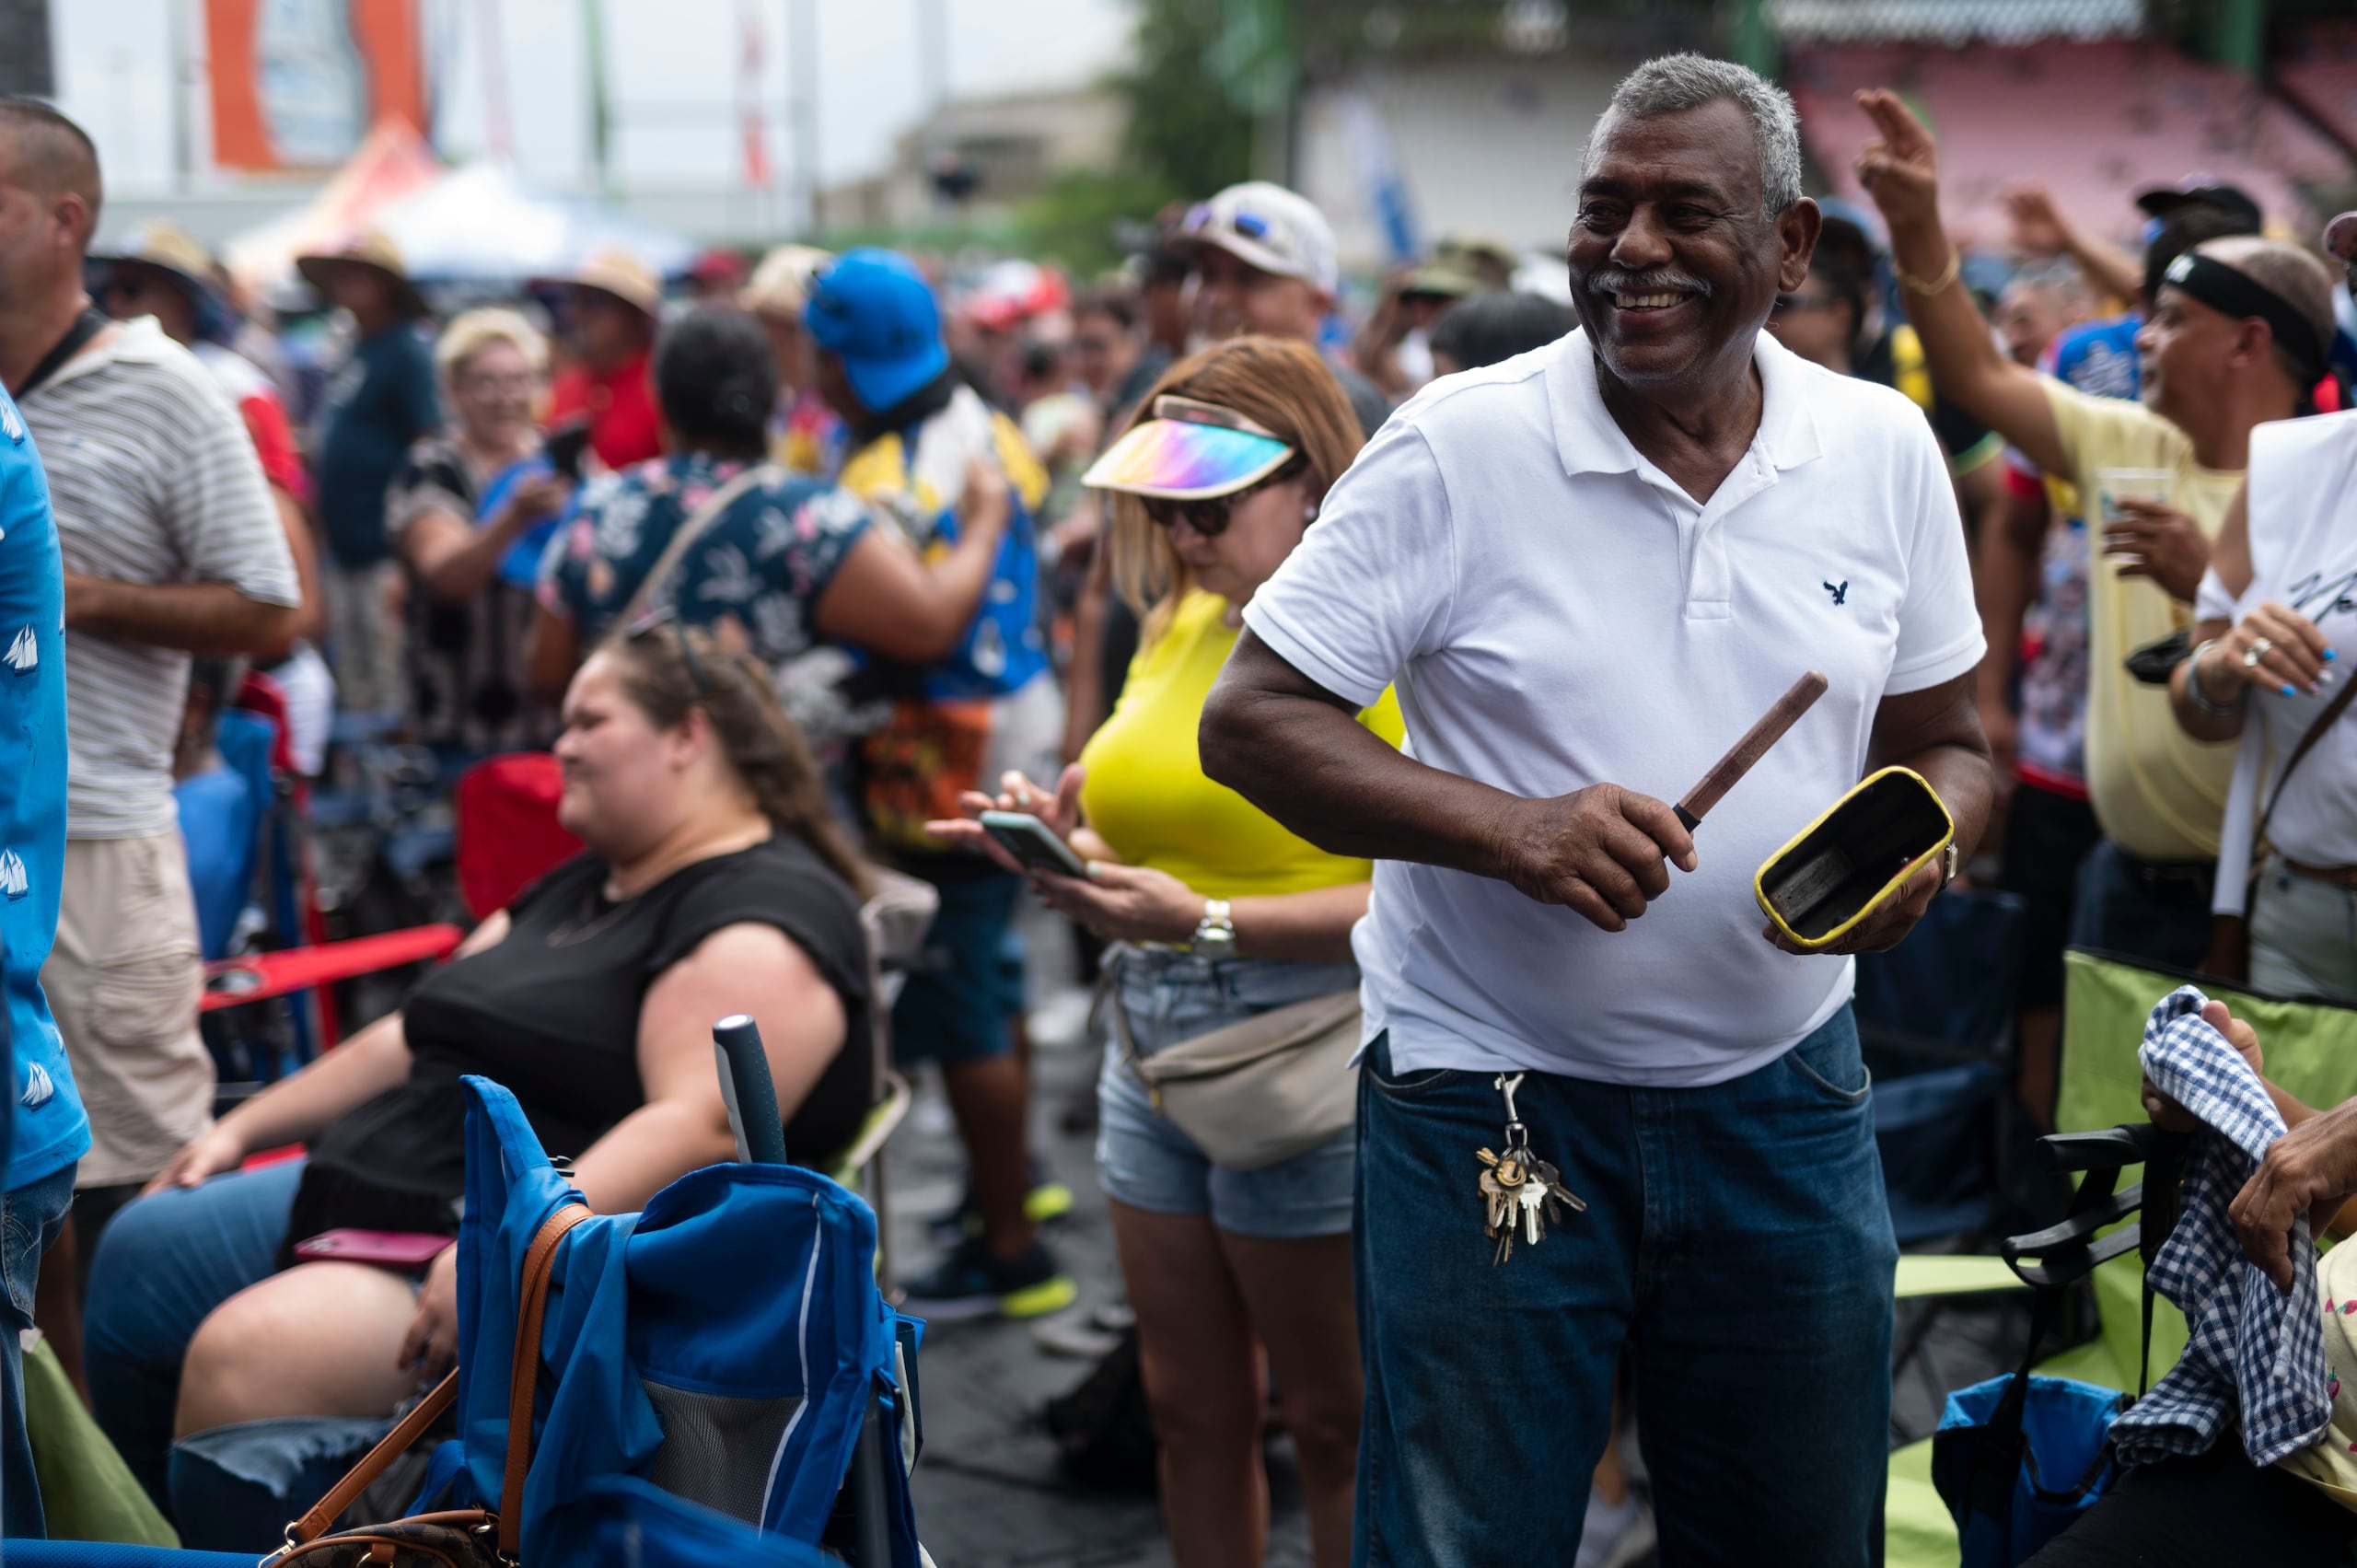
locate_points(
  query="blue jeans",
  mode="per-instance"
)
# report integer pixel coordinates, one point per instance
(1737, 1245)
(2152, 910)
(1144, 1160)
(958, 1005)
(162, 1267)
(30, 1217)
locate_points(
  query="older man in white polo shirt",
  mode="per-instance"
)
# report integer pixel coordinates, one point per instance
(1586, 571)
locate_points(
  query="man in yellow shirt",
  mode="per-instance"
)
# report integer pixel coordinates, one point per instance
(2235, 337)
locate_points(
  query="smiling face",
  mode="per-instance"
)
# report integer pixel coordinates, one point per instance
(1674, 264)
(493, 389)
(627, 781)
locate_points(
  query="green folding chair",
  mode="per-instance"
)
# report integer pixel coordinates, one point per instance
(2311, 1051)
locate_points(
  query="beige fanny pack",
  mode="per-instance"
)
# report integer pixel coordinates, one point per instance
(1258, 1092)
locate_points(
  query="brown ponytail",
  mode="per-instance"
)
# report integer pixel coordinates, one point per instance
(667, 668)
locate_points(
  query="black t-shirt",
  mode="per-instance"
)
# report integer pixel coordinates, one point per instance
(552, 1013)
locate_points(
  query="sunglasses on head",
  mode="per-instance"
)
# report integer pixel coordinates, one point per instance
(1249, 224)
(667, 617)
(1208, 516)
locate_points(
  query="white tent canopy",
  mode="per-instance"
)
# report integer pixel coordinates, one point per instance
(477, 225)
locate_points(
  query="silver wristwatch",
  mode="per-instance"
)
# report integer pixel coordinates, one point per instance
(1948, 868)
(1215, 933)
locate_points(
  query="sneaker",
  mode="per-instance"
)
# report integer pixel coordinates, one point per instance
(1617, 1534)
(1048, 1199)
(970, 1282)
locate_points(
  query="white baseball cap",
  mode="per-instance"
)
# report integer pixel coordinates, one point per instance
(1270, 227)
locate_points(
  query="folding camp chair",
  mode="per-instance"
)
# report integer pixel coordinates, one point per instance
(1936, 1023)
(2311, 1051)
(896, 917)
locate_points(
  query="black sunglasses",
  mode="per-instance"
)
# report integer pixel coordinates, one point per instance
(1208, 516)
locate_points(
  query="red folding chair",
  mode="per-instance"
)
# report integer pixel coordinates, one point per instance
(507, 837)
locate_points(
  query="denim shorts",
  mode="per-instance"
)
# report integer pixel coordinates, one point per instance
(1142, 1157)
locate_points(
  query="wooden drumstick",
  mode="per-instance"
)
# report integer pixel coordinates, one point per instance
(1750, 748)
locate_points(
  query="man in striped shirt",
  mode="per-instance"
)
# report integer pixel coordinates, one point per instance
(171, 548)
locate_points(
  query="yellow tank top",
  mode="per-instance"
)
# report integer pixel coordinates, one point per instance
(1146, 794)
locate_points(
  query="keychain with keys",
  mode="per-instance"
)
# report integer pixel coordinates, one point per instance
(1520, 1192)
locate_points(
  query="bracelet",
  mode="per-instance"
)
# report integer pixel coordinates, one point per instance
(2199, 700)
(1914, 284)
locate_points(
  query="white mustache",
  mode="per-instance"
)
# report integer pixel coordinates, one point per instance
(1654, 280)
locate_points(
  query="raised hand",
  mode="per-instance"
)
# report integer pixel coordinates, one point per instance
(2039, 228)
(1901, 168)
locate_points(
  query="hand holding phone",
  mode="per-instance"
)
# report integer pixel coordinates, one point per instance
(565, 447)
(1032, 842)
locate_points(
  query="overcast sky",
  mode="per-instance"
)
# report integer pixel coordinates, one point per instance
(672, 76)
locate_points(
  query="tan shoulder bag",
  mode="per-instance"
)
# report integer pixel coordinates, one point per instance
(465, 1537)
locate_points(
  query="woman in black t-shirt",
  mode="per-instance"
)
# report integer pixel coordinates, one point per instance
(714, 884)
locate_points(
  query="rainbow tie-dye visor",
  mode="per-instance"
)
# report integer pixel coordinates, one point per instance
(1189, 451)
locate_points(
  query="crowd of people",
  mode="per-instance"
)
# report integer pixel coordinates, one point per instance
(1342, 671)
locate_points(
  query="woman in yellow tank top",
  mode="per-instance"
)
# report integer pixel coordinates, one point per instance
(1217, 914)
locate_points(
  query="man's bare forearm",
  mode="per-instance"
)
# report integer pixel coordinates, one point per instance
(1306, 761)
(198, 618)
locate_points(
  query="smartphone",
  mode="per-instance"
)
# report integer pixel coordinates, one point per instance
(1029, 841)
(565, 447)
(386, 1248)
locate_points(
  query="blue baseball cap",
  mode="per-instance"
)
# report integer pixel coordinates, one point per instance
(875, 311)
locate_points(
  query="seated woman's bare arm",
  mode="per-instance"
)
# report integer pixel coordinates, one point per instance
(746, 968)
(298, 1108)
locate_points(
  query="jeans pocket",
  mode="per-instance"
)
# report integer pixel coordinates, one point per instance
(1825, 1058)
(1404, 1086)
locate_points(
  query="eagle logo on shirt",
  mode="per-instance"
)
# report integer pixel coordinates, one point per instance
(12, 875)
(23, 653)
(1840, 595)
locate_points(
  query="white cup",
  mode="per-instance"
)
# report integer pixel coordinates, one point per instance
(2114, 485)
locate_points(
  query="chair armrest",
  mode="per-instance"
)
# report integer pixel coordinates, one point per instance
(229, 982)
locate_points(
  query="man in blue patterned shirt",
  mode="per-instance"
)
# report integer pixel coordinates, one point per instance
(50, 1132)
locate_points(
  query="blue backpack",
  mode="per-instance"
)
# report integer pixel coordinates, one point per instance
(724, 1346)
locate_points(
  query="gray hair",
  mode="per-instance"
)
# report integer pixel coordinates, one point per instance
(1675, 83)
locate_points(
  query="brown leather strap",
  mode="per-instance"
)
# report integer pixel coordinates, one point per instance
(356, 1481)
(524, 1371)
(2335, 876)
(2332, 711)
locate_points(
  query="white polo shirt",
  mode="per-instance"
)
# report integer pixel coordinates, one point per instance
(1556, 612)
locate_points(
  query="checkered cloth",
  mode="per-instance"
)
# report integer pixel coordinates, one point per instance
(2254, 1349)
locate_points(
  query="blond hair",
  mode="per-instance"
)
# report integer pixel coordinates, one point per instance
(1280, 384)
(472, 332)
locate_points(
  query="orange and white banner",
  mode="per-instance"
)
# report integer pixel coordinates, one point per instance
(297, 84)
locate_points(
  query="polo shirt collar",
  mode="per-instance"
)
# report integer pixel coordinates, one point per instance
(1589, 441)
(139, 340)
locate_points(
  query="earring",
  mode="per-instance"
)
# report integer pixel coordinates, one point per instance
(1309, 513)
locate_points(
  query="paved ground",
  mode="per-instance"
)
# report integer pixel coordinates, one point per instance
(989, 1493)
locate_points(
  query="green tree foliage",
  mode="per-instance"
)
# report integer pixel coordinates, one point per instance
(1077, 220)
(1184, 132)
